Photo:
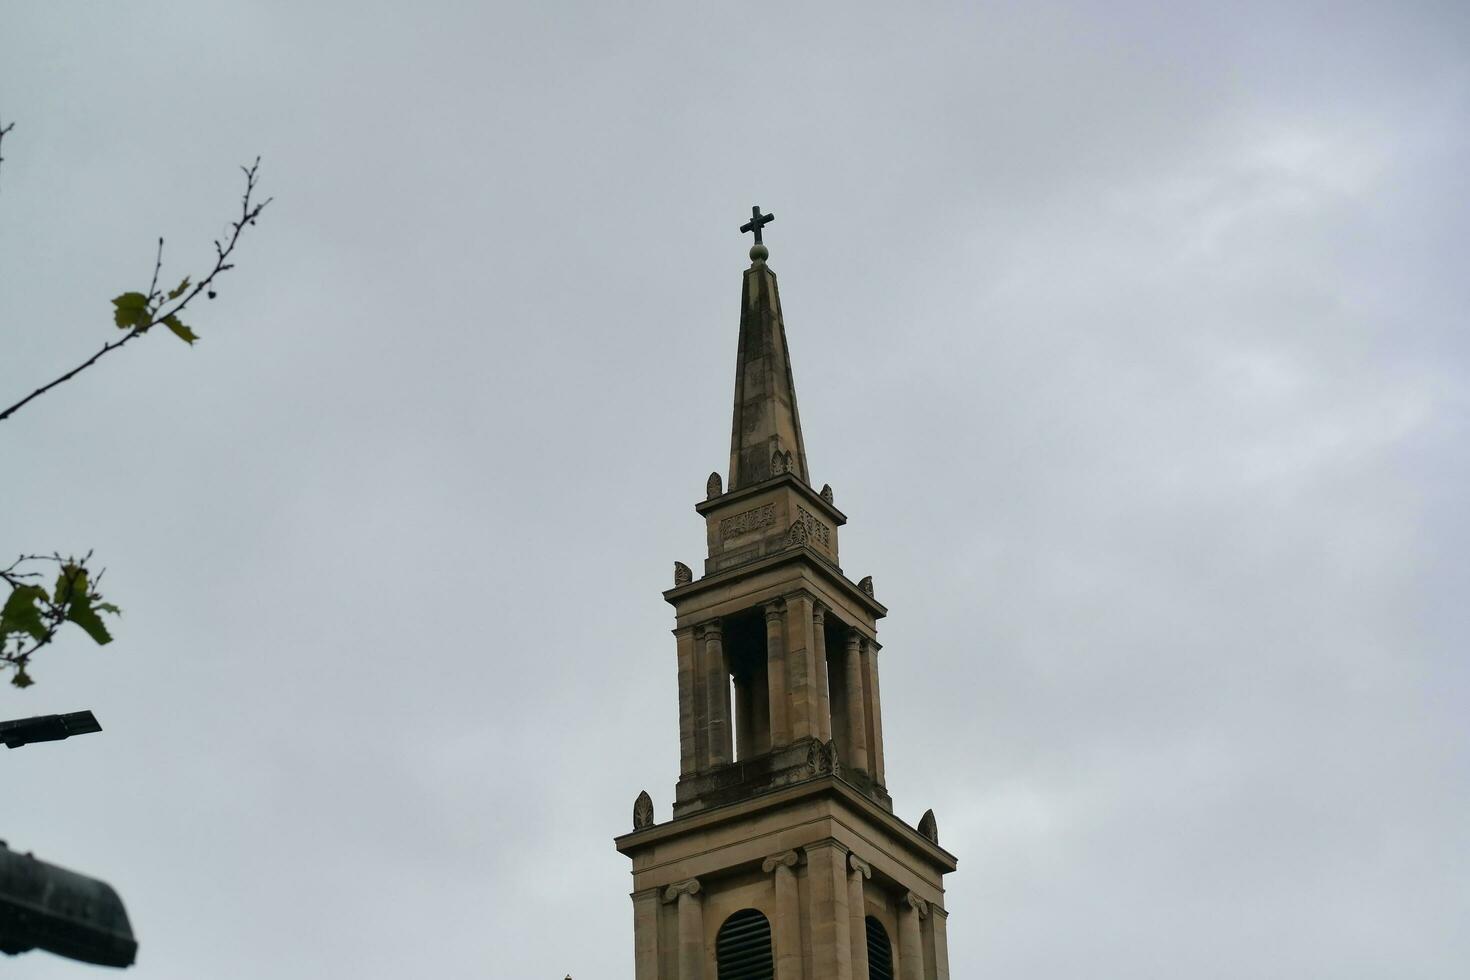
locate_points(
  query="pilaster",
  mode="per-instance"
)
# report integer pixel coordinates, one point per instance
(911, 908)
(857, 926)
(785, 931)
(827, 910)
(938, 942)
(645, 934)
(691, 927)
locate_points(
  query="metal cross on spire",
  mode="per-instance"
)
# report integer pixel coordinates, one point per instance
(756, 222)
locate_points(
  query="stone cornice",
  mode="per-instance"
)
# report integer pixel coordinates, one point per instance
(796, 595)
(735, 496)
(829, 785)
(820, 565)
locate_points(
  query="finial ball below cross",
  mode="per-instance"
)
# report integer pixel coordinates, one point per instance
(758, 251)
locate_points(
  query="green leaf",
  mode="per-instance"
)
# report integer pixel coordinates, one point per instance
(107, 607)
(71, 583)
(21, 678)
(131, 311)
(180, 329)
(178, 290)
(82, 613)
(21, 613)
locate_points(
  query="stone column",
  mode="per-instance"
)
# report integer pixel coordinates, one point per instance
(688, 753)
(874, 709)
(691, 928)
(776, 672)
(819, 653)
(786, 935)
(645, 934)
(911, 908)
(938, 942)
(857, 915)
(801, 669)
(857, 725)
(760, 709)
(717, 691)
(827, 912)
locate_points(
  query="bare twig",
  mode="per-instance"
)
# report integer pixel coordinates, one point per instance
(157, 268)
(3, 131)
(249, 211)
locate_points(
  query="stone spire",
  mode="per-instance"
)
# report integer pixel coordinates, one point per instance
(765, 437)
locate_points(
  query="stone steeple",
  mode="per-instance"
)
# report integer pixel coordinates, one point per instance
(783, 858)
(765, 435)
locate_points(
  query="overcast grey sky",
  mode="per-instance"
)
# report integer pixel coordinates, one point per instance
(1132, 338)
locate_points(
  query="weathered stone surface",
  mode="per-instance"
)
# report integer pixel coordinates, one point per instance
(766, 430)
(780, 804)
(928, 827)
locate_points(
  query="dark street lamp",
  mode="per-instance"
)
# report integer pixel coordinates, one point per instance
(47, 728)
(43, 906)
(46, 907)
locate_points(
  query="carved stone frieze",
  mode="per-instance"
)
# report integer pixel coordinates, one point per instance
(807, 529)
(747, 521)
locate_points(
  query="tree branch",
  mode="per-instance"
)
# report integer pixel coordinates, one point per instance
(248, 213)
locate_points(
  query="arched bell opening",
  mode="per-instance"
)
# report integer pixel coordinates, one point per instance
(743, 947)
(880, 951)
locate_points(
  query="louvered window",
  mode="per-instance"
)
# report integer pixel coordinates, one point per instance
(880, 952)
(743, 947)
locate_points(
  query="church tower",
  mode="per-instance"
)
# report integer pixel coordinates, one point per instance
(783, 858)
